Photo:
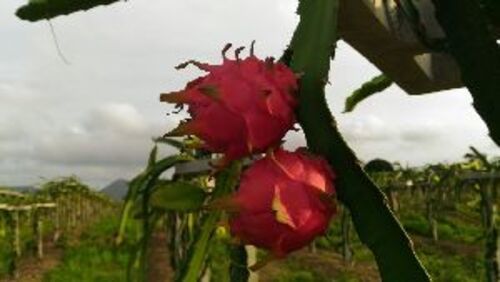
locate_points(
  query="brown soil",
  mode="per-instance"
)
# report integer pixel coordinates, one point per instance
(448, 247)
(158, 260)
(32, 269)
(327, 264)
(464, 217)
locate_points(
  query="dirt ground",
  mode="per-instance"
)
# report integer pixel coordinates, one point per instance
(158, 260)
(327, 263)
(449, 247)
(32, 269)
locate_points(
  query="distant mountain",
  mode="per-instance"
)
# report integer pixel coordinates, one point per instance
(22, 189)
(117, 189)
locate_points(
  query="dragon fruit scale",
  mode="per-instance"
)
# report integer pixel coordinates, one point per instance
(240, 107)
(283, 202)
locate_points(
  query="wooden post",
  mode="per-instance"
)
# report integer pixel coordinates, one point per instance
(312, 247)
(252, 260)
(64, 214)
(491, 231)
(16, 244)
(392, 197)
(38, 232)
(347, 252)
(73, 211)
(430, 216)
(57, 213)
(78, 215)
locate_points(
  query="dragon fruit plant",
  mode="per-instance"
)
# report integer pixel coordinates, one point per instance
(246, 106)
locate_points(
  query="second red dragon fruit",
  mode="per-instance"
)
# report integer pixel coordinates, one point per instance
(283, 202)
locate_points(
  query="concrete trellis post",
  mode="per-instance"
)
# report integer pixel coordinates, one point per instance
(39, 210)
(488, 183)
(57, 223)
(16, 243)
(38, 232)
(20, 210)
(15, 212)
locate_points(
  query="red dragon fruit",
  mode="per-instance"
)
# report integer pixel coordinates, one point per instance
(241, 107)
(283, 202)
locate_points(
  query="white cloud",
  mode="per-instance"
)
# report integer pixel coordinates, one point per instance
(122, 118)
(111, 135)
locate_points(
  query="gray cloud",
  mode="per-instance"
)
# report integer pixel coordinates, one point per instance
(95, 117)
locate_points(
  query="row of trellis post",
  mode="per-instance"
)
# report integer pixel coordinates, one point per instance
(435, 193)
(64, 211)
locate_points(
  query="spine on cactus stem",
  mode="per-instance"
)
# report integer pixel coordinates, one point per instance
(310, 53)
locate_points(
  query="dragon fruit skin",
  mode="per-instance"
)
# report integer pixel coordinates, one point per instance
(240, 107)
(283, 202)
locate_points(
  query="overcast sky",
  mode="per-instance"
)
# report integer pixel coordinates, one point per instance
(95, 116)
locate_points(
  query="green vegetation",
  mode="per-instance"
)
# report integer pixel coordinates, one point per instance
(6, 257)
(456, 257)
(456, 254)
(32, 221)
(94, 258)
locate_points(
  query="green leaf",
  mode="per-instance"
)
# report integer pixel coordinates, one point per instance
(143, 182)
(191, 270)
(482, 157)
(152, 157)
(171, 142)
(311, 48)
(177, 196)
(199, 249)
(48, 9)
(376, 85)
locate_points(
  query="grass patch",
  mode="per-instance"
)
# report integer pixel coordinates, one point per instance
(298, 272)
(453, 268)
(6, 258)
(94, 258)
